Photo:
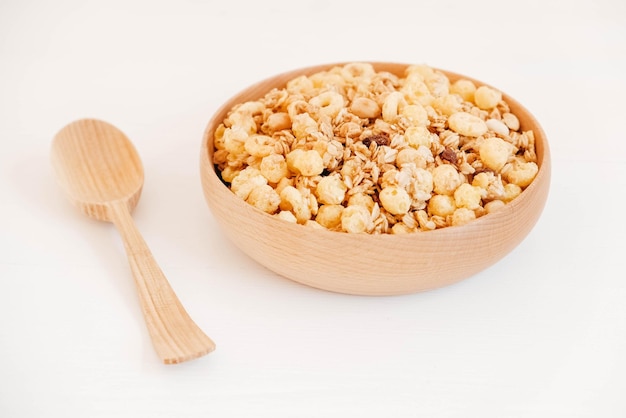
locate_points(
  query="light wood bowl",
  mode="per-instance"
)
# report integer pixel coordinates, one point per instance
(363, 264)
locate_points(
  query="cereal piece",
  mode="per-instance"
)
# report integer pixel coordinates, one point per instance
(391, 106)
(511, 191)
(303, 125)
(401, 228)
(313, 224)
(410, 156)
(467, 196)
(243, 121)
(494, 206)
(329, 216)
(395, 200)
(355, 219)
(422, 184)
(265, 198)
(301, 84)
(467, 124)
(259, 145)
(464, 88)
(328, 102)
(361, 199)
(495, 152)
(448, 104)
(365, 108)
(487, 98)
(415, 114)
(284, 182)
(522, 173)
(274, 168)
(416, 91)
(246, 180)
(446, 179)
(291, 199)
(307, 163)
(286, 215)
(462, 216)
(441, 205)
(417, 136)
(218, 137)
(331, 190)
(229, 173)
(437, 83)
(511, 121)
(424, 222)
(498, 127)
(278, 122)
(234, 140)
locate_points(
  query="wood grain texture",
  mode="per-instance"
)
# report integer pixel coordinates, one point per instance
(100, 171)
(364, 264)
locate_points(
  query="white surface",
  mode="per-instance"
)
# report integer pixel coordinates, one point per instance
(540, 334)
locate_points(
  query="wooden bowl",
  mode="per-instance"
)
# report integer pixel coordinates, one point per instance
(363, 264)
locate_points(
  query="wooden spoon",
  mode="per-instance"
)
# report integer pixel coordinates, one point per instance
(99, 169)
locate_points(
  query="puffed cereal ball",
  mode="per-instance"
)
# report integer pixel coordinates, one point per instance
(246, 180)
(468, 196)
(445, 179)
(464, 123)
(511, 191)
(331, 190)
(400, 228)
(464, 88)
(307, 163)
(494, 206)
(482, 180)
(361, 199)
(286, 215)
(355, 219)
(259, 145)
(234, 140)
(487, 98)
(522, 174)
(329, 216)
(265, 198)
(448, 105)
(303, 125)
(229, 173)
(291, 199)
(418, 135)
(461, 216)
(274, 168)
(410, 155)
(415, 114)
(441, 205)
(278, 121)
(494, 152)
(395, 200)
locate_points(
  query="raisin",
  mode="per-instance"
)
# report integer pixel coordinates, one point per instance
(379, 139)
(449, 155)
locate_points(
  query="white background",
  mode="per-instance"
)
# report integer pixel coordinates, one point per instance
(540, 334)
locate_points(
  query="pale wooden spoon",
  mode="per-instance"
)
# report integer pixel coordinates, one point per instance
(100, 170)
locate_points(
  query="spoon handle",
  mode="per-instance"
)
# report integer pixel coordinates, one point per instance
(175, 336)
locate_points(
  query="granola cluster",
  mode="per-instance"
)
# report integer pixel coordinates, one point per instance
(355, 150)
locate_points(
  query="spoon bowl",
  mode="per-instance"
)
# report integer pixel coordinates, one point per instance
(100, 171)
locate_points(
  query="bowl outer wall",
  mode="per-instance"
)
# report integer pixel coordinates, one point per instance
(364, 264)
